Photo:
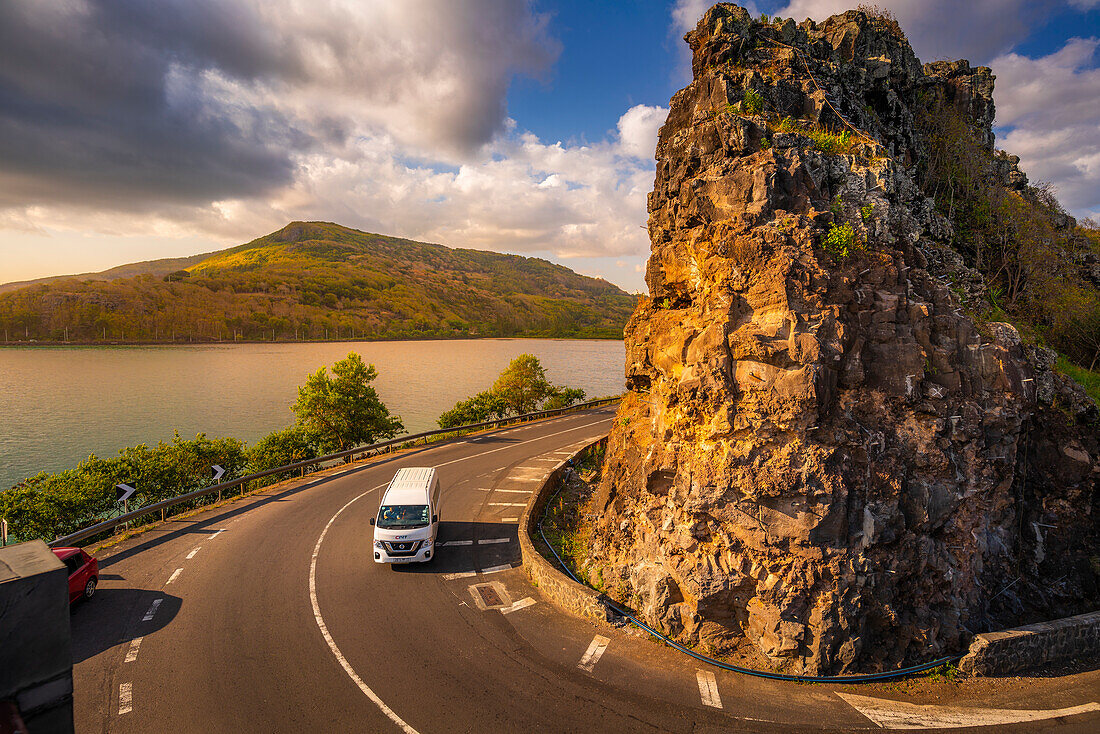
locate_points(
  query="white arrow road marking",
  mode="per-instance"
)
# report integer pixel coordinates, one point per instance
(192, 553)
(131, 654)
(125, 699)
(901, 715)
(708, 689)
(152, 610)
(593, 654)
(216, 534)
(457, 542)
(521, 604)
(175, 575)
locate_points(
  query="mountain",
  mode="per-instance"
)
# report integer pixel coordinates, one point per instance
(318, 280)
(158, 268)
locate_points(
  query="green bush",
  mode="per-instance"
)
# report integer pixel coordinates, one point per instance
(521, 388)
(279, 448)
(841, 240)
(752, 103)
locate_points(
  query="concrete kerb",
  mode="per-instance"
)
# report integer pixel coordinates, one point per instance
(563, 591)
(1017, 649)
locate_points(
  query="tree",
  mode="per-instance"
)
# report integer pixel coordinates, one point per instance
(482, 407)
(343, 411)
(563, 397)
(523, 384)
(279, 448)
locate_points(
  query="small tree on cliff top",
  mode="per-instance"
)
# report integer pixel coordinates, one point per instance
(343, 410)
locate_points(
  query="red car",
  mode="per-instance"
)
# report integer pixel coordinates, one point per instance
(83, 572)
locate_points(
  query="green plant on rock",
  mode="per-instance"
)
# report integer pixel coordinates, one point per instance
(841, 240)
(765, 143)
(867, 211)
(752, 103)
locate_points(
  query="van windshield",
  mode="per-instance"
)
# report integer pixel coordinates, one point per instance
(402, 516)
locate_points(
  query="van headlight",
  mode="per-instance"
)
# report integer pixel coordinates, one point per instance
(427, 543)
(378, 544)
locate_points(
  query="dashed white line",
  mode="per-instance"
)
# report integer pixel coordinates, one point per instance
(509, 519)
(324, 627)
(152, 610)
(525, 479)
(125, 698)
(490, 541)
(175, 575)
(216, 534)
(513, 491)
(516, 606)
(708, 689)
(507, 504)
(132, 653)
(460, 575)
(192, 553)
(457, 542)
(495, 569)
(593, 654)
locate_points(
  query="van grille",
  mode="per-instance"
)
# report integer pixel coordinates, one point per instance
(402, 547)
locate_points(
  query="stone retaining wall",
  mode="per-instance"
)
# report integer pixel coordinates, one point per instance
(552, 581)
(1014, 650)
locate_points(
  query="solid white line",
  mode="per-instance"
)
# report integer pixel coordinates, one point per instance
(524, 479)
(507, 504)
(494, 569)
(175, 575)
(125, 699)
(324, 627)
(593, 654)
(514, 491)
(489, 541)
(708, 689)
(216, 534)
(509, 519)
(131, 654)
(457, 542)
(901, 715)
(461, 575)
(521, 604)
(192, 553)
(152, 610)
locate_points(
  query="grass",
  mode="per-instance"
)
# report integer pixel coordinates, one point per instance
(824, 140)
(947, 672)
(1085, 378)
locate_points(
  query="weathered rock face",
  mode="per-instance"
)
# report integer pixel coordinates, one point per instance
(824, 453)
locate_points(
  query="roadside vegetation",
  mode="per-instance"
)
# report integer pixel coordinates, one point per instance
(567, 523)
(521, 388)
(321, 281)
(334, 412)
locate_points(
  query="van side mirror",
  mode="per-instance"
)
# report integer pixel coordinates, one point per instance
(435, 518)
(372, 521)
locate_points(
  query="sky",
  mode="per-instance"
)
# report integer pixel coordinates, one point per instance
(140, 129)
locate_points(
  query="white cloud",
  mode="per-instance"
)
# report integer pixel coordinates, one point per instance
(1048, 105)
(638, 129)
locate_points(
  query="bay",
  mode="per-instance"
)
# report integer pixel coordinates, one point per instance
(60, 404)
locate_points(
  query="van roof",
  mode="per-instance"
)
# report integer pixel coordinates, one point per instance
(410, 486)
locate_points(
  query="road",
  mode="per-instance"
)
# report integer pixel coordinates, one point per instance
(269, 615)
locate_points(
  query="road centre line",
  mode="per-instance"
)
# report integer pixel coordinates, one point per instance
(708, 689)
(902, 715)
(521, 604)
(593, 654)
(132, 653)
(512, 446)
(175, 575)
(152, 610)
(192, 553)
(125, 698)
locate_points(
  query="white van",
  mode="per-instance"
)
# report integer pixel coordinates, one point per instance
(408, 519)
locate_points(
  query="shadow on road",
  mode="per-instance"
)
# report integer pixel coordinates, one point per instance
(478, 555)
(491, 439)
(115, 616)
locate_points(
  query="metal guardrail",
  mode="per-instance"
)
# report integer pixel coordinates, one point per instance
(114, 522)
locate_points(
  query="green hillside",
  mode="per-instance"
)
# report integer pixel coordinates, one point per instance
(316, 280)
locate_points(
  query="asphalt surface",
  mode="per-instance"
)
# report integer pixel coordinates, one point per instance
(270, 615)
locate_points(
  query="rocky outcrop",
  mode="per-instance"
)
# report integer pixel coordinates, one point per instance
(820, 450)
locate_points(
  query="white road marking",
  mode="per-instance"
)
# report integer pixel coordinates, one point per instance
(125, 699)
(152, 610)
(708, 689)
(489, 541)
(192, 553)
(509, 519)
(512, 446)
(593, 654)
(495, 569)
(525, 479)
(901, 715)
(507, 504)
(457, 542)
(521, 604)
(324, 627)
(131, 654)
(175, 575)
(460, 575)
(513, 491)
(216, 534)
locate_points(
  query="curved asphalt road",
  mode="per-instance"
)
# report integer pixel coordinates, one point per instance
(209, 625)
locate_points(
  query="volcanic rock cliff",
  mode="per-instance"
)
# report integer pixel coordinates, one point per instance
(821, 451)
